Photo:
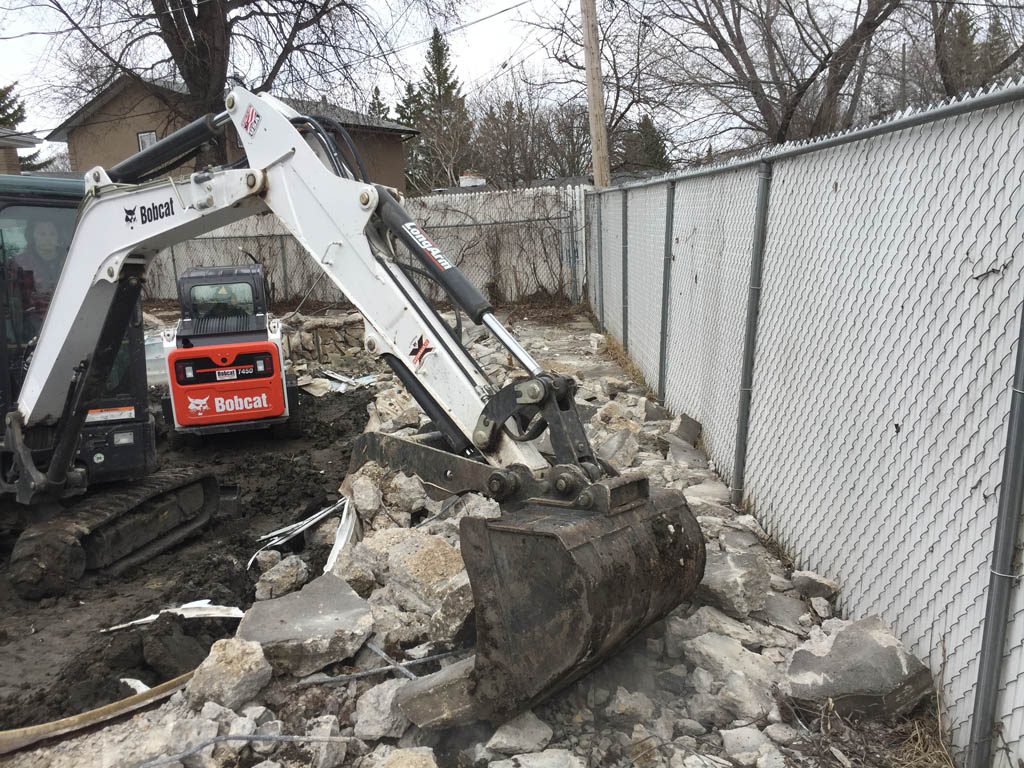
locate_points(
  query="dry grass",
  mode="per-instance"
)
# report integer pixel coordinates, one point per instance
(916, 741)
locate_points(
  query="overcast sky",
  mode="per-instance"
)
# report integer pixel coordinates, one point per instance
(483, 53)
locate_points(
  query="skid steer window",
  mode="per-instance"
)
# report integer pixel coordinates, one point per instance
(222, 300)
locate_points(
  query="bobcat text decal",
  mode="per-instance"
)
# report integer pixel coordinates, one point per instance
(238, 403)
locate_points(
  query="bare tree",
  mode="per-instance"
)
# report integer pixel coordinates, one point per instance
(294, 46)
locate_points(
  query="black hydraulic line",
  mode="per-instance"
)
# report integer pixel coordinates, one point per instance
(444, 423)
(168, 149)
(462, 292)
(326, 141)
(457, 330)
(170, 166)
(349, 143)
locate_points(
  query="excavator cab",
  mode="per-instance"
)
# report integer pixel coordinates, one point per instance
(37, 220)
(131, 511)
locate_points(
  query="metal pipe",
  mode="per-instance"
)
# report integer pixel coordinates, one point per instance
(600, 262)
(666, 288)
(764, 187)
(956, 108)
(1002, 579)
(512, 344)
(625, 270)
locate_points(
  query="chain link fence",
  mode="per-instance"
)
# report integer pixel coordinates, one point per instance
(513, 246)
(880, 331)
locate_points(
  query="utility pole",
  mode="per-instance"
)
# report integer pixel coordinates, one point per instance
(595, 94)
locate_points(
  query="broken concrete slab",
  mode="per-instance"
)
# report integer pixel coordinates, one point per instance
(721, 656)
(745, 739)
(628, 707)
(405, 493)
(620, 449)
(303, 632)
(232, 675)
(414, 757)
(423, 564)
(525, 733)
(441, 700)
(448, 621)
(287, 576)
(705, 619)
(784, 612)
(378, 715)
(737, 583)
(549, 758)
(682, 453)
(862, 667)
(686, 429)
(366, 496)
(325, 754)
(811, 584)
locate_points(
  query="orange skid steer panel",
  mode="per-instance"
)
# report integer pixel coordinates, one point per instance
(226, 383)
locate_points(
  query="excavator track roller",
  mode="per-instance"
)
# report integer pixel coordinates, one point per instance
(557, 590)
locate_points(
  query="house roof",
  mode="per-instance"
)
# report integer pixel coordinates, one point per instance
(347, 117)
(12, 138)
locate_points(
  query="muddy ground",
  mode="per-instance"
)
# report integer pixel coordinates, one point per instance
(54, 662)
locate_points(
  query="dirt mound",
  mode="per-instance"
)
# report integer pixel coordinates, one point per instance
(54, 662)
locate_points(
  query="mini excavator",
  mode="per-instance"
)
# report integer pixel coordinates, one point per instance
(581, 559)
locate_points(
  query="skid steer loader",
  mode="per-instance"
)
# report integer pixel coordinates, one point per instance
(226, 367)
(581, 558)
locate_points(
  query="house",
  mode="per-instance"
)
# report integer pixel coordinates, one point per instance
(10, 143)
(129, 115)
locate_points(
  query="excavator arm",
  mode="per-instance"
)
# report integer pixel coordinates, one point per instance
(581, 559)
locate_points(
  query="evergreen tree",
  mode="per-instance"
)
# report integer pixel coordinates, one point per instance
(963, 49)
(643, 148)
(12, 109)
(12, 114)
(377, 106)
(652, 145)
(437, 108)
(995, 48)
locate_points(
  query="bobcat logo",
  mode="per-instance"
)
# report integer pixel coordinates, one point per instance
(129, 216)
(197, 406)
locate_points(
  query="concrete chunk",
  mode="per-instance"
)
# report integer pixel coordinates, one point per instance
(441, 700)
(378, 715)
(233, 674)
(862, 667)
(303, 632)
(525, 733)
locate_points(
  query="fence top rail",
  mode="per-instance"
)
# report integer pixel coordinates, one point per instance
(996, 95)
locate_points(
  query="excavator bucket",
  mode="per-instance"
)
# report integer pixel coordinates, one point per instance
(557, 590)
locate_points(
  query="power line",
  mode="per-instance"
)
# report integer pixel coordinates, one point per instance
(413, 44)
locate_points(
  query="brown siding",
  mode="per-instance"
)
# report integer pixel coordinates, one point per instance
(9, 160)
(110, 134)
(384, 157)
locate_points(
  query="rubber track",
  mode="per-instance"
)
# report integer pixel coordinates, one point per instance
(102, 507)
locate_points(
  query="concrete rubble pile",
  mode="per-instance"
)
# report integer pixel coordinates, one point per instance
(715, 684)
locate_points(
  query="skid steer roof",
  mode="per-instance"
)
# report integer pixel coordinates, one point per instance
(221, 301)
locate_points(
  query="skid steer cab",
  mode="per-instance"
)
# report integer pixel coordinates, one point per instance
(225, 362)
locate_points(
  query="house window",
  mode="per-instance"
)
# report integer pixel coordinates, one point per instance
(146, 139)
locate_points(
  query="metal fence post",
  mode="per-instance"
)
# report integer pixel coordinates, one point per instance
(666, 289)
(599, 285)
(764, 187)
(625, 270)
(1002, 580)
(174, 265)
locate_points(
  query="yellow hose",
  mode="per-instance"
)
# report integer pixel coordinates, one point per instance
(19, 738)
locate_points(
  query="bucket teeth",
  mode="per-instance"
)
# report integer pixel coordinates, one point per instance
(559, 590)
